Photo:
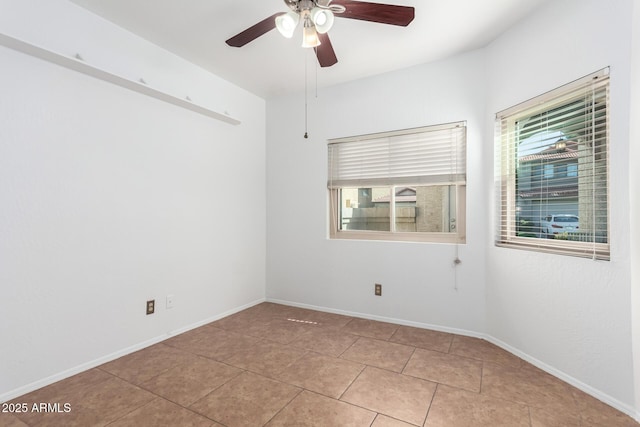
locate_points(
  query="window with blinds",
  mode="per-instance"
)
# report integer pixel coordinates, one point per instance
(402, 185)
(552, 171)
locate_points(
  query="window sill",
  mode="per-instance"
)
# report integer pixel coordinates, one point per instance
(597, 251)
(415, 237)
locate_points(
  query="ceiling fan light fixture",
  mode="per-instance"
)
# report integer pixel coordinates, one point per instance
(287, 23)
(322, 18)
(309, 34)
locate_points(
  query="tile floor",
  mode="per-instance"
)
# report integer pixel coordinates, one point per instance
(274, 365)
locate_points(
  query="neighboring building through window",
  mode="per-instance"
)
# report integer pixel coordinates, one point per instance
(552, 171)
(402, 185)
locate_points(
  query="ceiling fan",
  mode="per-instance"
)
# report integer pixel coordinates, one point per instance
(317, 18)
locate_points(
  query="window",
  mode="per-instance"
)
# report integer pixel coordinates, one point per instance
(552, 171)
(403, 185)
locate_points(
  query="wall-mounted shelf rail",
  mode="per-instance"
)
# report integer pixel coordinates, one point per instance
(77, 64)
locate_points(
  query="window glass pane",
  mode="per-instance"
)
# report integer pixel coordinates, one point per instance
(561, 161)
(365, 209)
(399, 185)
(430, 209)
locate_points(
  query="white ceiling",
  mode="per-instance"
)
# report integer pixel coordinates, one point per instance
(272, 65)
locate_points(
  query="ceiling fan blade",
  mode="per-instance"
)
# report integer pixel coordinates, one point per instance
(325, 53)
(376, 12)
(253, 32)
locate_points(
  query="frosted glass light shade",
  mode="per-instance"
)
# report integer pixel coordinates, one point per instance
(286, 23)
(310, 36)
(322, 18)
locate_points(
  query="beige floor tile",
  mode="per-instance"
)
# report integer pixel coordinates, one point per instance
(145, 364)
(114, 398)
(162, 413)
(246, 401)
(97, 405)
(270, 311)
(322, 374)
(189, 382)
(330, 341)
(312, 410)
(384, 421)
(594, 413)
(268, 321)
(10, 420)
(453, 407)
(282, 331)
(67, 389)
(302, 315)
(276, 311)
(398, 396)
(542, 418)
(382, 354)
(75, 418)
(318, 318)
(370, 328)
(476, 348)
(71, 391)
(423, 338)
(266, 358)
(243, 319)
(530, 387)
(214, 343)
(443, 368)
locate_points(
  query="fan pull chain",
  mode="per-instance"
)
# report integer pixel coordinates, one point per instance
(306, 135)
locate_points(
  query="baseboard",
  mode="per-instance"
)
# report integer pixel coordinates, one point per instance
(595, 393)
(117, 354)
(213, 318)
(603, 397)
(394, 320)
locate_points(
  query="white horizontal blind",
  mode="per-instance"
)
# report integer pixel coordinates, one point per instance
(552, 171)
(428, 155)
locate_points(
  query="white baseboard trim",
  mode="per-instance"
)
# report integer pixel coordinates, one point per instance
(213, 318)
(622, 407)
(28, 388)
(394, 320)
(597, 394)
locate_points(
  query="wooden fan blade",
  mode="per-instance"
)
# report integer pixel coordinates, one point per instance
(376, 12)
(252, 33)
(325, 53)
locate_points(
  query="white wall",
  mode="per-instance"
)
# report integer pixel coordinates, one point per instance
(419, 280)
(573, 315)
(109, 198)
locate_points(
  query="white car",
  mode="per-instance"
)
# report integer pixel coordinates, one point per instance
(558, 224)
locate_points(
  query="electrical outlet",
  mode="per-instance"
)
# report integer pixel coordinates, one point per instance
(151, 306)
(378, 289)
(170, 301)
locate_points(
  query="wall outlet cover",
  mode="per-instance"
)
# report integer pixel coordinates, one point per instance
(151, 306)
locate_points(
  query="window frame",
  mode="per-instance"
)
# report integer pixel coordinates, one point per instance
(506, 168)
(334, 195)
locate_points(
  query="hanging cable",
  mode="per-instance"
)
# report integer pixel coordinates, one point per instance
(306, 135)
(456, 260)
